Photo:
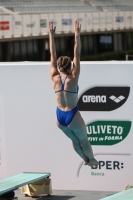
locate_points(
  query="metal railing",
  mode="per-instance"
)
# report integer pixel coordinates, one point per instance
(127, 57)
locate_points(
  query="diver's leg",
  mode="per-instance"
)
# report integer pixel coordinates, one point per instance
(75, 141)
(77, 126)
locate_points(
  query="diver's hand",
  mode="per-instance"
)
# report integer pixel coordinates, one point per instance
(77, 28)
(51, 28)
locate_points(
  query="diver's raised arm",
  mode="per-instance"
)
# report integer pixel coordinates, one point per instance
(53, 58)
(77, 49)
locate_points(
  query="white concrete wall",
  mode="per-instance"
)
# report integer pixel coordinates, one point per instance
(31, 141)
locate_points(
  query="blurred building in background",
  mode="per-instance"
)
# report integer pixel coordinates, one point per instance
(107, 28)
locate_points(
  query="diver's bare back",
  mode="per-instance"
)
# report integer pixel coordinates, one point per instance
(66, 100)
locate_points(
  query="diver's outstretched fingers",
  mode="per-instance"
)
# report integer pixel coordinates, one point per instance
(51, 28)
(77, 27)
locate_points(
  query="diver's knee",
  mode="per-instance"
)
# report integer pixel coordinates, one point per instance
(76, 142)
(83, 141)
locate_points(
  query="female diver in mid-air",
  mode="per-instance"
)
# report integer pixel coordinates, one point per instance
(65, 84)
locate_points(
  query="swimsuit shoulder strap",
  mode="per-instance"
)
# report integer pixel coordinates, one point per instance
(63, 83)
(65, 79)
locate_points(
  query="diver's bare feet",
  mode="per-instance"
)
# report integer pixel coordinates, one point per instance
(86, 162)
(92, 163)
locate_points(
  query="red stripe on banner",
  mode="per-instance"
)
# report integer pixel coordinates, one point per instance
(5, 22)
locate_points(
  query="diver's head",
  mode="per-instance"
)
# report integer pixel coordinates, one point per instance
(64, 64)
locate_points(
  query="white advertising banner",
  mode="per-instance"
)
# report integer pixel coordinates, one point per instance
(3, 162)
(17, 25)
(132, 19)
(75, 16)
(96, 21)
(35, 21)
(27, 25)
(35, 142)
(128, 20)
(1, 26)
(116, 20)
(67, 22)
(106, 109)
(109, 20)
(58, 19)
(121, 20)
(89, 22)
(43, 24)
(7, 26)
(52, 17)
(81, 19)
(103, 18)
